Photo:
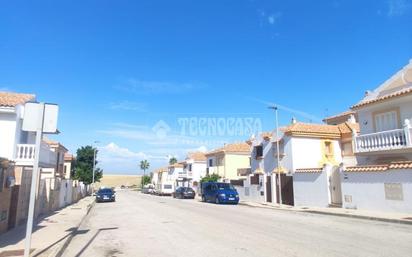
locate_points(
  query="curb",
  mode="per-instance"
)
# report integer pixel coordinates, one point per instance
(355, 216)
(347, 215)
(60, 249)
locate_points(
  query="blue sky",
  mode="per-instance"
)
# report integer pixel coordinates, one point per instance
(117, 68)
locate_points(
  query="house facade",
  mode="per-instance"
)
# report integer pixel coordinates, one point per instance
(194, 169)
(309, 159)
(68, 165)
(382, 180)
(228, 161)
(318, 152)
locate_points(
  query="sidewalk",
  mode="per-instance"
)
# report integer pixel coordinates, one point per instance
(49, 234)
(400, 218)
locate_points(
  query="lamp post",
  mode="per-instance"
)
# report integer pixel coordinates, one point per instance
(94, 165)
(275, 108)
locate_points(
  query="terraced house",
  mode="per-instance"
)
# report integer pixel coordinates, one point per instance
(382, 180)
(309, 158)
(229, 161)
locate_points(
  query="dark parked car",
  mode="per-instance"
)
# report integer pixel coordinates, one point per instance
(219, 193)
(105, 195)
(184, 192)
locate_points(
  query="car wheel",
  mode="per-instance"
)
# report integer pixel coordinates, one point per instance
(217, 201)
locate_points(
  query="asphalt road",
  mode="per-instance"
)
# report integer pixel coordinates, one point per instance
(151, 226)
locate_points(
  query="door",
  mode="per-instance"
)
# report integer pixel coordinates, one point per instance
(335, 187)
(286, 189)
(13, 206)
(268, 189)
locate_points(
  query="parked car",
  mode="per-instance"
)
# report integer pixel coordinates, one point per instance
(148, 189)
(105, 195)
(166, 189)
(218, 192)
(184, 193)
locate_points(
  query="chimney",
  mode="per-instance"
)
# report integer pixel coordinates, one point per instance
(352, 119)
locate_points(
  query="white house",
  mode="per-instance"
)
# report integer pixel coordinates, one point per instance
(194, 169)
(382, 180)
(309, 158)
(229, 161)
(18, 145)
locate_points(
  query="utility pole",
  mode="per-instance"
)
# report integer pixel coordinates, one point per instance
(34, 181)
(94, 165)
(275, 108)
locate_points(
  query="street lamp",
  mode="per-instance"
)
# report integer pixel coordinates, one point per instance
(275, 108)
(94, 164)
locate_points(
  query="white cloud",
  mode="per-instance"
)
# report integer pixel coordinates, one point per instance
(137, 86)
(273, 18)
(398, 7)
(128, 106)
(4, 89)
(115, 159)
(116, 152)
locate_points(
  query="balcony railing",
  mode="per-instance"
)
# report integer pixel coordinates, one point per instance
(25, 155)
(383, 141)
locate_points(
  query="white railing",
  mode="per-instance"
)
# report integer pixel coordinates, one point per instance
(25, 155)
(381, 141)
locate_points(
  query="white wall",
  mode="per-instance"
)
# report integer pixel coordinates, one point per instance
(198, 170)
(311, 189)
(307, 152)
(251, 193)
(368, 191)
(7, 135)
(366, 118)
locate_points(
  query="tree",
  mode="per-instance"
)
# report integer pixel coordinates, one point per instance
(210, 178)
(144, 165)
(146, 180)
(84, 165)
(172, 160)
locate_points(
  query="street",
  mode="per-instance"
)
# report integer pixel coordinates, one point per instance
(151, 226)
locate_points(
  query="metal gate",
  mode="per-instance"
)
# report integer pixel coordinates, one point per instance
(287, 189)
(268, 189)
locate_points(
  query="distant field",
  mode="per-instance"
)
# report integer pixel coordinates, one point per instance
(119, 180)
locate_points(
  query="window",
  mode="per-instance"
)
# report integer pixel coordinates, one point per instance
(220, 161)
(386, 121)
(210, 162)
(328, 148)
(347, 149)
(190, 167)
(167, 186)
(258, 151)
(3, 216)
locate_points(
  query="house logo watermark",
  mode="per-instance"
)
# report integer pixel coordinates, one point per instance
(161, 129)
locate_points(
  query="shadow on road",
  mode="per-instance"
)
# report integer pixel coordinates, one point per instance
(92, 239)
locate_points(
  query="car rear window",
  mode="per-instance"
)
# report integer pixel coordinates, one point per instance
(105, 191)
(225, 186)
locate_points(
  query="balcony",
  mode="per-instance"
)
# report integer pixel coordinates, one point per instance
(25, 155)
(386, 141)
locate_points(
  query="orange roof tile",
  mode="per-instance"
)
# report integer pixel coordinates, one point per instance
(196, 156)
(323, 130)
(8, 99)
(233, 148)
(308, 128)
(309, 170)
(340, 115)
(383, 98)
(68, 157)
(380, 167)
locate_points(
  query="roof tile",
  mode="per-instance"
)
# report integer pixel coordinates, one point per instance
(8, 99)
